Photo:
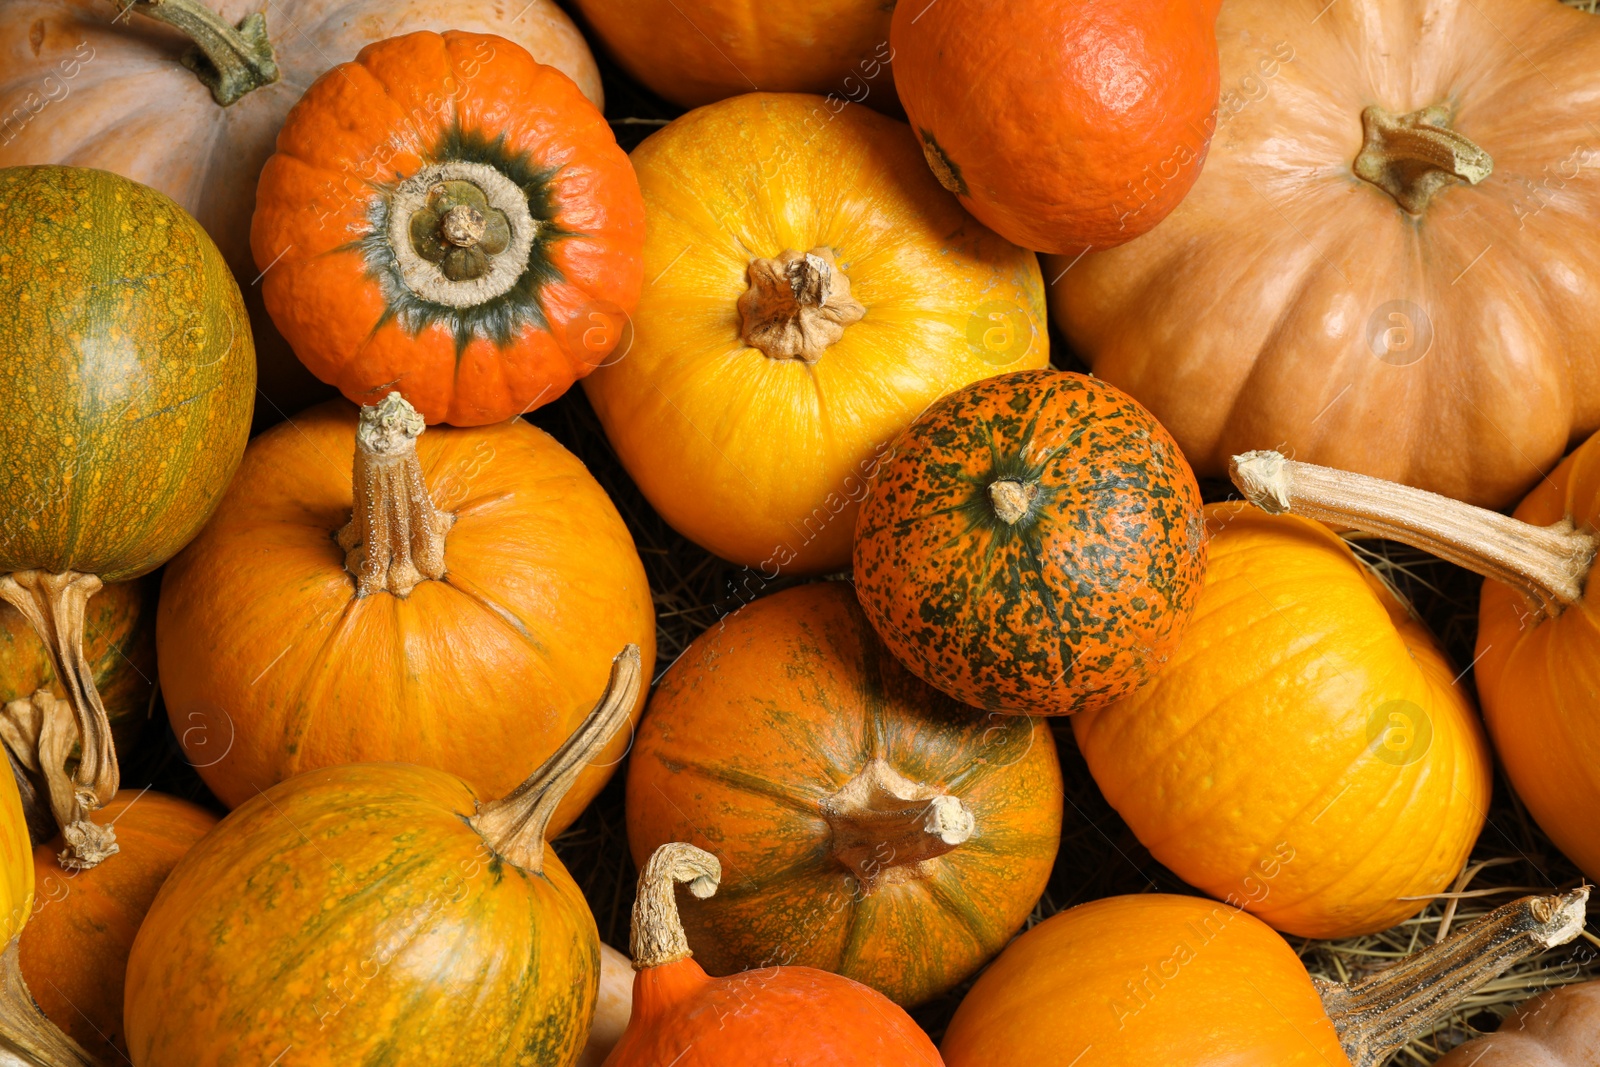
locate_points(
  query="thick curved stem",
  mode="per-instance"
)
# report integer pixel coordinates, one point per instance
(1547, 564)
(26, 1036)
(229, 60)
(395, 537)
(54, 604)
(797, 306)
(514, 826)
(1411, 157)
(1377, 1015)
(885, 826)
(658, 936)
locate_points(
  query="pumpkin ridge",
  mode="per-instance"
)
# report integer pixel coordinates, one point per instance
(817, 862)
(966, 911)
(752, 784)
(298, 720)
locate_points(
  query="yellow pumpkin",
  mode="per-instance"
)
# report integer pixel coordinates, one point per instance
(809, 290)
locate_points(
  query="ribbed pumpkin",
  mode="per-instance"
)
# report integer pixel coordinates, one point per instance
(1184, 982)
(134, 404)
(698, 53)
(869, 825)
(377, 913)
(1307, 753)
(1560, 1028)
(811, 290)
(1538, 654)
(444, 216)
(1033, 543)
(459, 620)
(780, 1014)
(74, 950)
(90, 82)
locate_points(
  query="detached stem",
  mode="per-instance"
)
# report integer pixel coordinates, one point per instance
(797, 306)
(658, 936)
(1547, 564)
(1411, 157)
(1377, 1015)
(25, 1033)
(515, 825)
(230, 61)
(54, 604)
(885, 825)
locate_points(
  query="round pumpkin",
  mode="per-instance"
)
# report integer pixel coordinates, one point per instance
(134, 109)
(460, 620)
(1008, 98)
(1559, 1028)
(74, 950)
(1388, 265)
(1191, 983)
(811, 291)
(1538, 651)
(467, 277)
(1033, 543)
(137, 398)
(699, 53)
(872, 826)
(779, 1014)
(612, 1007)
(377, 912)
(1307, 754)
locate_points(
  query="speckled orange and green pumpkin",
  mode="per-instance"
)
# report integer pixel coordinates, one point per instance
(126, 370)
(1033, 543)
(757, 746)
(119, 639)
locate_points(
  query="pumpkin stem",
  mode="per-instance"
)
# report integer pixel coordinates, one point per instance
(395, 536)
(26, 1035)
(1378, 1015)
(515, 825)
(1547, 564)
(797, 305)
(885, 826)
(1411, 157)
(54, 604)
(1011, 499)
(658, 936)
(230, 61)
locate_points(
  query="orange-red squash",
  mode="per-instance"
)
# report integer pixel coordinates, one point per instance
(1560, 1028)
(459, 620)
(870, 826)
(778, 1014)
(442, 217)
(1033, 543)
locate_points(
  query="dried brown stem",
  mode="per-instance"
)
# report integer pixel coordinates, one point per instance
(26, 1036)
(798, 305)
(885, 826)
(1412, 157)
(658, 936)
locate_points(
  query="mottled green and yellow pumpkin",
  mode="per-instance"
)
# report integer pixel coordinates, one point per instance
(125, 356)
(869, 825)
(377, 913)
(1033, 543)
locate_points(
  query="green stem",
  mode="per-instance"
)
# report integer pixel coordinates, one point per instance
(1411, 157)
(230, 61)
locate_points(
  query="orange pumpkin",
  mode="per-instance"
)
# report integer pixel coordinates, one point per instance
(89, 82)
(1033, 543)
(778, 1014)
(1186, 982)
(442, 216)
(1389, 265)
(1011, 98)
(74, 950)
(872, 826)
(1560, 1028)
(1538, 655)
(1307, 753)
(464, 630)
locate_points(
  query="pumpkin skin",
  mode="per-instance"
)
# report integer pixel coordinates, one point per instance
(138, 399)
(205, 156)
(1560, 1028)
(482, 674)
(1130, 91)
(74, 950)
(1081, 596)
(728, 47)
(1218, 987)
(1306, 753)
(612, 1008)
(748, 744)
(762, 459)
(398, 934)
(1355, 334)
(364, 305)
